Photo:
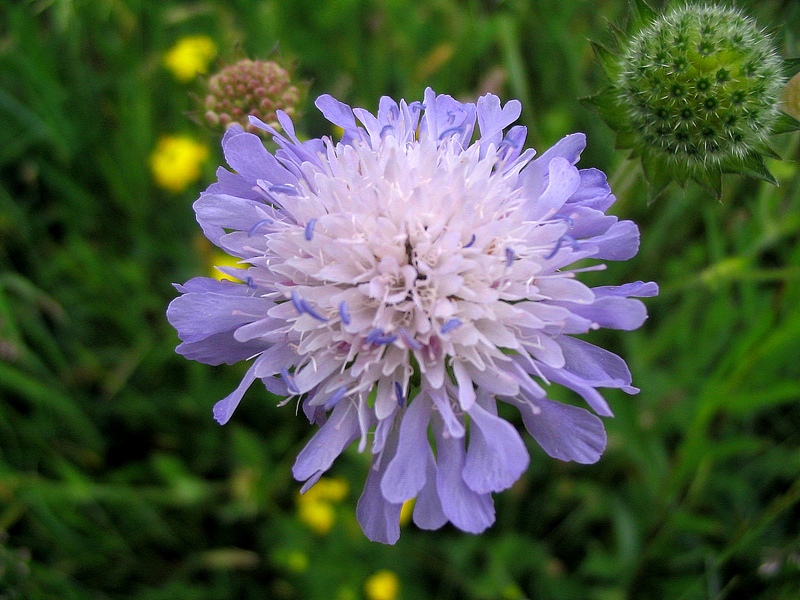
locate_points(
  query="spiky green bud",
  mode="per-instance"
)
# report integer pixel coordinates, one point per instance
(695, 92)
(249, 87)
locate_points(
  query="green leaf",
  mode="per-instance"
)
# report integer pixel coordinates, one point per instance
(641, 12)
(620, 35)
(604, 104)
(752, 165)
(751, 401)
(681, 173)
(607, 59)
(786, 123)
(625, 139)
(38, 395)
(711, 180)
(791, 66)
(657, 173)
(767, 150)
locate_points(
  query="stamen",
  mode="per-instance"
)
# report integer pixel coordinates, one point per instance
(450, 325)
(302, 305)
(308, 309)
(408, 340)
(398, 392)
(284, 188)
(344, 313)
(335, 398)
(565, 218)
(510, 256)
(290, 382)
(560, 244)
(376, 336)
(297, 302)
(258, 226)
(372, 335)
(450, 132)
(506, 147)
(310, 229)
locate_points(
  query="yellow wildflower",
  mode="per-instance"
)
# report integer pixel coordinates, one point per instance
(190, 56)
(176, 162)
(406, 512)
(315, 507)
(218, 258)
(330, 489)
(318, 516)
(383, 585)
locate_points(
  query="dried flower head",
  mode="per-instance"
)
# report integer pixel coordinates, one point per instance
(251, 88)
(695, 92)
(399, 283)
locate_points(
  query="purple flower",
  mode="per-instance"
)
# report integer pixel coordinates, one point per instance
(401, 282)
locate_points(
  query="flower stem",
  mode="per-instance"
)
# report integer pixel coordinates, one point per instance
(621, 182)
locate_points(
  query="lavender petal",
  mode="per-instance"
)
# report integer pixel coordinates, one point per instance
(496, 456)
(339, 431)
(406, 474)
(565, 432)
(466, 509)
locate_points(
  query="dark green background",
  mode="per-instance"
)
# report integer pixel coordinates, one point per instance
(115, 482)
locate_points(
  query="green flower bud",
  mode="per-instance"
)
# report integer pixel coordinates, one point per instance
(695, 92)
(248, 87)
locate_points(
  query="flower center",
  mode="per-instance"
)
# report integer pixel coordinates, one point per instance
(397, 253)
(399, 241)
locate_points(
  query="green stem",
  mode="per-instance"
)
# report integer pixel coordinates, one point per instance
(621, 182)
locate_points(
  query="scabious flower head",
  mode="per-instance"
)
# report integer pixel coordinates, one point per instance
(258, 88)
(177, 162)
(190, 57)
(695, 92)
(402, 282)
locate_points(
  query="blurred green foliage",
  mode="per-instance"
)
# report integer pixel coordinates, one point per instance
(116, 483)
